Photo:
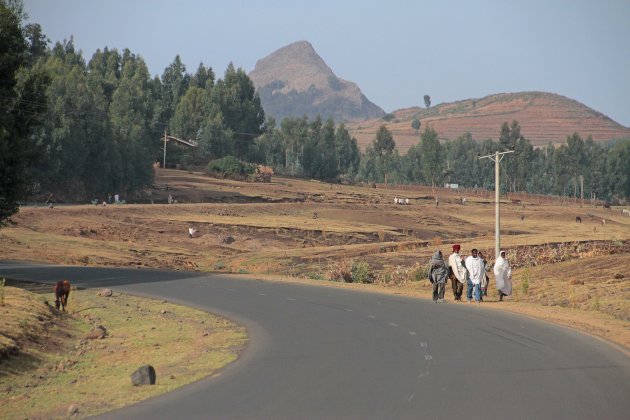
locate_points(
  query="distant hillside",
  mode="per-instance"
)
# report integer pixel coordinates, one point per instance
(543, 117)
(294, 81)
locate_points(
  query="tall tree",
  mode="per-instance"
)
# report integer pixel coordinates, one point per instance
(22, 93)
(240, 106)
(174, 84)
(415, 124)
(203, 78)
(432, 160)
(130, 113)
(427, 101)
(384, 143)
(619, 169)
(348, 153)
(384, 146)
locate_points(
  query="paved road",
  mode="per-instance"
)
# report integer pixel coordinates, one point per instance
(320, 352)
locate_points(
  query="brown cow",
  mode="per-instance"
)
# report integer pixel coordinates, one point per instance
(62, 291)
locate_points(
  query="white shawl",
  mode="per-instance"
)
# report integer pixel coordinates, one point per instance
(503, 275)
(455, 262)
(476, 269)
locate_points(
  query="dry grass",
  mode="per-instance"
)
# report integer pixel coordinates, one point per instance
(183, 345)
(271, 231)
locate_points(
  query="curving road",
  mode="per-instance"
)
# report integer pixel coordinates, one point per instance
(323, 352)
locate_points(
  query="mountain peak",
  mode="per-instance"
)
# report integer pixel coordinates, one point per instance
(295, 81)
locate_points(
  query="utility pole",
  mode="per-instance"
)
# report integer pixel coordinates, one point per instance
(189, 143)
(165, 140)
(496, 157)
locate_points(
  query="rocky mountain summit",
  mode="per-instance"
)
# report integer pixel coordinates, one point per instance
(295, 81)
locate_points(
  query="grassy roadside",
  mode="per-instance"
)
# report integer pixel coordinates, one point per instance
(183, 344)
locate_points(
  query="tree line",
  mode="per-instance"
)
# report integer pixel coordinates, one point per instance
(87, 128)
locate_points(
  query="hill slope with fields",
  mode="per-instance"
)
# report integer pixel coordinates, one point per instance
(543, 117)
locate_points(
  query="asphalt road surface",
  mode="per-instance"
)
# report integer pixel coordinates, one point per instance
(331, 353)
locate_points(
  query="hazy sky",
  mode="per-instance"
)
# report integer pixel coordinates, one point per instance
(396, 51)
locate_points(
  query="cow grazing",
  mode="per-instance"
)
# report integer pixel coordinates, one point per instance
(62, 291)
(578, 219)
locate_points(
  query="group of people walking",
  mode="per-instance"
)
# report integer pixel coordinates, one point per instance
(470, 271)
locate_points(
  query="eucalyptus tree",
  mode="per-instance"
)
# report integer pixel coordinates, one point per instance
(348, 153)
(203, 78)
(619, 169)
(271, 149)
(241, 108)
(70, 122)
(431, 155)
(22, 102)
(130, 114)
(384, 147)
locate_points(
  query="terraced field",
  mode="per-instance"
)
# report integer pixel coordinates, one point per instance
(544, 118)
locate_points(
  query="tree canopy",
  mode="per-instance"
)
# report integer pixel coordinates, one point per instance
(21, 93)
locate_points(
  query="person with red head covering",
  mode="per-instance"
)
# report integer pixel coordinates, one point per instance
(457, 273)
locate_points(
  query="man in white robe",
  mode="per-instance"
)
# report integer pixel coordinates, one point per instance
(503, 276)
(458, 273)
(476, 271)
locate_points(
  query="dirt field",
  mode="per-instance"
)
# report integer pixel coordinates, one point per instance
(306, 229)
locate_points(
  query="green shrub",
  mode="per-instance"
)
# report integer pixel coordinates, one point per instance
(315, 276)
(228, 165)
(419, 272)
(231, 167)
(361, 272)
(525, 282)
(219, 265)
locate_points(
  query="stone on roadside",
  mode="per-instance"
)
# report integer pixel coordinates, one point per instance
(144, 375)
(105, 292)
(73, 410)
(96, 333)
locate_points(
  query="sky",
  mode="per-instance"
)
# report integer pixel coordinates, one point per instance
(396, 51)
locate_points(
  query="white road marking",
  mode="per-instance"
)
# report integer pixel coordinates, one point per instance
(291, 299)
(412, 333)
(411, 398)
(393, 324)
(371, 316)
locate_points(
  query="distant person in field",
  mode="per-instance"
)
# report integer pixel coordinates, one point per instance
(457, 273)
(503, 276)
(192, 231)
(438, 273)
(476, 272)
(437, 201)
